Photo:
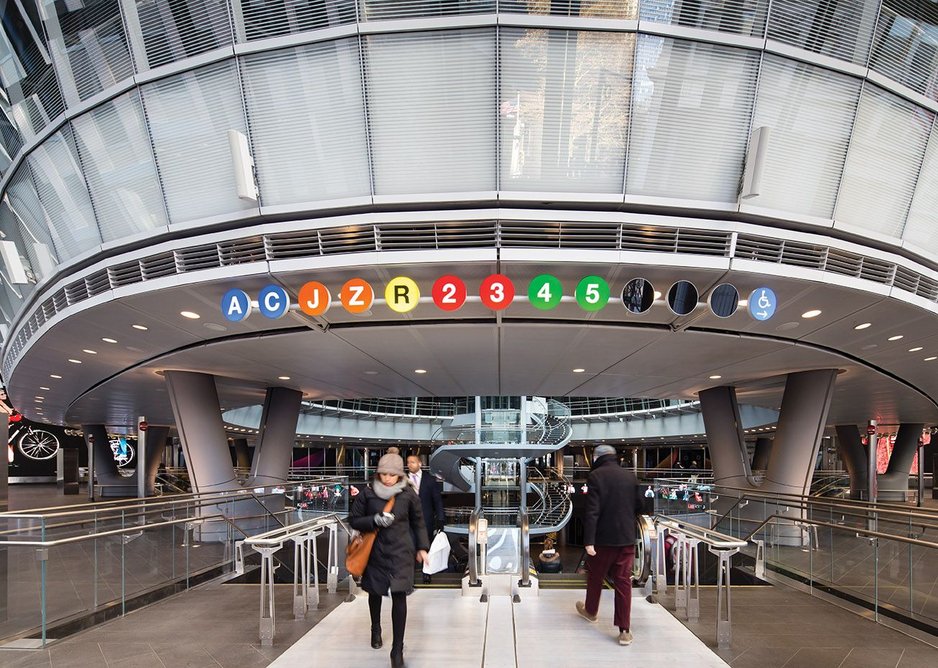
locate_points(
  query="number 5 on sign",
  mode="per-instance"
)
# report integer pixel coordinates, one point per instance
(449, 293)
(497, 292)
(545, 291)
(592, 293)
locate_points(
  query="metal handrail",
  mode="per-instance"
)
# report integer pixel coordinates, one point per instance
(112, 532)
(525, 549)
(857, 530)
(712, 538)
(278, 536)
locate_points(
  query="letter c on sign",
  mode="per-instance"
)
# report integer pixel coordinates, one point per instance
(273, 302)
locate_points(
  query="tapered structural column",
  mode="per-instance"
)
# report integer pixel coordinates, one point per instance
(105, 468)
(725, 436)
(760, 458)
(242, 453)
(273, 450)
(894, 483)
(801, 423)
(850, 451)
(201, 432)
(156, 444)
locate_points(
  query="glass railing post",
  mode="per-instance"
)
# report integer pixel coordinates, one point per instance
(875, 579)
(123, 568)
(94, 584)
(43, 554)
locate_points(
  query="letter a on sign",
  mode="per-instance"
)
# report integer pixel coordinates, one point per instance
(314, 298)
(236, 305)
(401, 294)
(357, 295)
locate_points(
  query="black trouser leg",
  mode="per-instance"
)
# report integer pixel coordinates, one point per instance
(374, 607)
(398, 620)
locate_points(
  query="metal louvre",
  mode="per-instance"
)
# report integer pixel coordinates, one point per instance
(125, 274)
(841, 30)
(904, 48)
(803, 255)
(906, 279)
(467, 234)
(351, 239)
(76, 292)
(242, 251)
(877, 271)
(520, 234)
(156, 266)
(761, 249)
(197, 258)
(698, 242)
(59, 300)
(650, 239)
(595, 9)
(843, 262)
(285, 246)
(97, 282)
(272, 18)
(379, 10)
(927, 288)
(184, 28)
(740, 17)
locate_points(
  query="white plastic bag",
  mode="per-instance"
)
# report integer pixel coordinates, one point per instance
(438, 556)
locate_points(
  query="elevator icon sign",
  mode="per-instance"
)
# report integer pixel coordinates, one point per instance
(762, 303)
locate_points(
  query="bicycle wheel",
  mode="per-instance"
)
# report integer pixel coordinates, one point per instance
(39, 444)
(124, 459)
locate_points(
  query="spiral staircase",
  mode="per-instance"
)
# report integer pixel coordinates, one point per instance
(491, 453)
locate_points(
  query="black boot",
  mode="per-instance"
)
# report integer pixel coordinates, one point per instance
(397, 658)
(376, 637)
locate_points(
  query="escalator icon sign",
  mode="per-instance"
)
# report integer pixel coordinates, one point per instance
(762, 303)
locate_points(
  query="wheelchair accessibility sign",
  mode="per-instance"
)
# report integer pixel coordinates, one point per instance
(762, 303)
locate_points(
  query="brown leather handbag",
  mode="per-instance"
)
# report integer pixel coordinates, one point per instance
(359, 547)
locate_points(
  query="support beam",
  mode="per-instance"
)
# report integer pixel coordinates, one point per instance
(105, 468)
(194, 399)
(760, 458)
(156, 445)
(850, 451)
(276, 436)
(724, 429)
(894, 483)
(242, 453)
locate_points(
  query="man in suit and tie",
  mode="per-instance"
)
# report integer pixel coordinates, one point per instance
(430, 492)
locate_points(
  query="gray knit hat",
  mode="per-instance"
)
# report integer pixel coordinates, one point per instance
(601, 450)
(391, 463)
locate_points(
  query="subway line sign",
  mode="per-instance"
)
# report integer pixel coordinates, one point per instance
(449, 293)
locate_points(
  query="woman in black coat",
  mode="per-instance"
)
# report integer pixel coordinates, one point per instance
(390, 569)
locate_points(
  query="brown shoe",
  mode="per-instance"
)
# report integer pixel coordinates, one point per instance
(581, 610)
(625, 638)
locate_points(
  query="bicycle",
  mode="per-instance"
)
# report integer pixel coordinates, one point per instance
(37, 444)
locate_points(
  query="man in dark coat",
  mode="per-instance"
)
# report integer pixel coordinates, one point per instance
(613, 502)
(430, 492)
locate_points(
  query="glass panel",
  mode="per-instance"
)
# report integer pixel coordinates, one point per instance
(377, 10)
(906, 46)
(178, 29)
(921, 228)
(190, 116)
(64, 195)
(742, 17)
(610, 9)
(10, 139)
(22, 204)
(118, 163)
(95, 43)
(838, 29)
(564, 109)
(432, 110)
(809, 111)
(883, 162)
(22, 576)
(690, 118)
(307, 122)
(270, 18)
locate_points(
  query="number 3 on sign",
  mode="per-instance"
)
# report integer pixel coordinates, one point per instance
(497, 292)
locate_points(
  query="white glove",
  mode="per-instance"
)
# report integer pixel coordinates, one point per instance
(383, 520)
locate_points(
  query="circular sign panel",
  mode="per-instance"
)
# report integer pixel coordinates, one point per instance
(449, 293)
(638, 295)
(273, 302)
(401, 294)
(682, 297)
(356, 295)
(545, 292)
(236, 305)
(314, 298)
(724, 300)
(592, 293)
(762, 303)
(497, 292)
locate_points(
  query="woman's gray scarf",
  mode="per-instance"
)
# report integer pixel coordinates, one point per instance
(385, 492)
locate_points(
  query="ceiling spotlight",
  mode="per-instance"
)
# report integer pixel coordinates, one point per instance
(107, 340)
(715, 377)
(52, 375)
(931, 359)
(142, 328)
(579, 370)
(863, 325)
(90, 352)
(895, 338)
(74, 361)
(43, 388)
(813, 313)
(915, 349)
(420, 370)
(283, 377)
(190, 315)
(657, 295)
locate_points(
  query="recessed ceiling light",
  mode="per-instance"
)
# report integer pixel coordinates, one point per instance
(107, 340)
(52, 375)
(579, 370)
(863, 325)
(715, 377)
(74, 361)
(931, 359)
(90, 352)
(215, 327)
(420, 370)
(142, 328)
(38, 400)
(895, 338)
(915, 349)
(371, 373)
(190, 315)
(657, 295)
(813, 313)
(283, 377)
(43, 388)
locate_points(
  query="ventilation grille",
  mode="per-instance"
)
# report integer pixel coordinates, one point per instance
(470, 234)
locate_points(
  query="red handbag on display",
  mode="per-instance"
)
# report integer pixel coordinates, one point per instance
(359, 547)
